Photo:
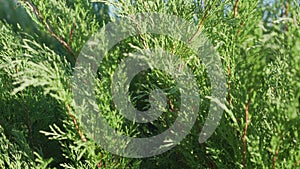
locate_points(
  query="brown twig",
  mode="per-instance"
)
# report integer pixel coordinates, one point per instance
(275, 158)
(201, 22)
(140, 34)
(276, 152)
(245, 133)
(100, 164)
(72, 32)
(74, 119)
(235, 11)
(240, 29)
(49, 29)
(75, 124)
(66, 45)
(286, 14)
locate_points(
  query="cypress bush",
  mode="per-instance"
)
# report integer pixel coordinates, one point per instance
(259, 47)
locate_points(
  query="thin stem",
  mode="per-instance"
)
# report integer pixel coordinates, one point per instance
(100, 164)
(275, 158)
(140, 34)
(245, 133)
(286, 15)
(235, 11)
(72, 32)
(75, 124)
(201, 22)
(49, 29)
(240, 29)
(67, 46)
(277, 151)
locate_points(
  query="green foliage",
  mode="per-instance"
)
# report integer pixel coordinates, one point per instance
(259, 46)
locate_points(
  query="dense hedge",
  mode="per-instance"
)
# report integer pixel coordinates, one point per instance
(259, 46)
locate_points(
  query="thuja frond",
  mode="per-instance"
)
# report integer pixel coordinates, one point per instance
(40, 123)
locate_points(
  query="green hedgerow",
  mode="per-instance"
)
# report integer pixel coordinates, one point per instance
(259, 46)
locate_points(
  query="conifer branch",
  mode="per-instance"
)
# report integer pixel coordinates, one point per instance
(201, 22)
(66, 45)
(37, 13)
(229, 65)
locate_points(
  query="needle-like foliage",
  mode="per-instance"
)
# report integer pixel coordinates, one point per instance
(259, 46)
